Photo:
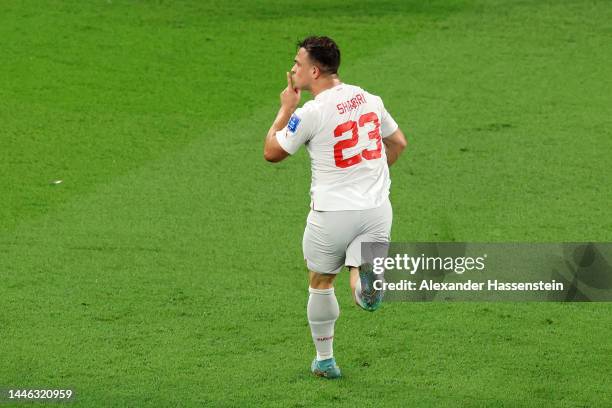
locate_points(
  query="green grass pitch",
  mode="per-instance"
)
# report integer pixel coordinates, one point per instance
(165, 269)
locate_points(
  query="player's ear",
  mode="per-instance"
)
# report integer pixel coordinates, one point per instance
(316, 72)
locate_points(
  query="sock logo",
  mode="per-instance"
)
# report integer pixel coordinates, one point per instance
(325, 338)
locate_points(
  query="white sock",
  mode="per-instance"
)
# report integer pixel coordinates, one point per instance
(323, 311)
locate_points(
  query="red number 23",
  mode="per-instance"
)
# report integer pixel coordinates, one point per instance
(345, 144)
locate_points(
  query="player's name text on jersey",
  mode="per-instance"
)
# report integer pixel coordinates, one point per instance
(351, 104)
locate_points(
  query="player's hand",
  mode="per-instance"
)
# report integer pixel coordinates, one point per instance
(290, 97)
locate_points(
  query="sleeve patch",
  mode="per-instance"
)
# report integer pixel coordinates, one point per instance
(294, 121)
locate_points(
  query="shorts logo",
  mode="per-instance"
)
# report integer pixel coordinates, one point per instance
(294, 121)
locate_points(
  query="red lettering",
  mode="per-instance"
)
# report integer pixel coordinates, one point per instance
(345, 144)
(351, 104)
(352, 142)
(373, 135)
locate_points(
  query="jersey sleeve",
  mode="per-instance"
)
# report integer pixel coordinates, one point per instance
(300, 129)
(387, 125)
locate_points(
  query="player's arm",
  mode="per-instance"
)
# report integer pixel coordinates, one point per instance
(273, 152)
(290, 97)
(395, 144)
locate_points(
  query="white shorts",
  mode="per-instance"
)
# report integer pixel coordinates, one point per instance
(332, 239)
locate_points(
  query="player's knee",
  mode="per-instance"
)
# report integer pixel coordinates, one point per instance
(321, 280)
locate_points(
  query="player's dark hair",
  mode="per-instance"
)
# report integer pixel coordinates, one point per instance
(324, 52)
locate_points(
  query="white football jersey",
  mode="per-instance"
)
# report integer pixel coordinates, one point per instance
(342, 129)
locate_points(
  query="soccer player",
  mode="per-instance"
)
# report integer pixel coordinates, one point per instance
(352, 140)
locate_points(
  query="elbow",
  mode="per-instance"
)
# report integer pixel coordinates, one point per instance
(402, 143)
(270, 159)
(270, 156)
(397, 142)
(273, 153)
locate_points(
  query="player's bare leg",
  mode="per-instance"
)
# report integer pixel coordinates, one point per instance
(353, 279)
(321, 280)
(323, 311)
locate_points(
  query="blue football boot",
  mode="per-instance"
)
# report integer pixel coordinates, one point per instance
(325, 368)
(371, 299)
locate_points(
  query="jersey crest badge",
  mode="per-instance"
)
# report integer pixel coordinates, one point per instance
(294, 121)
